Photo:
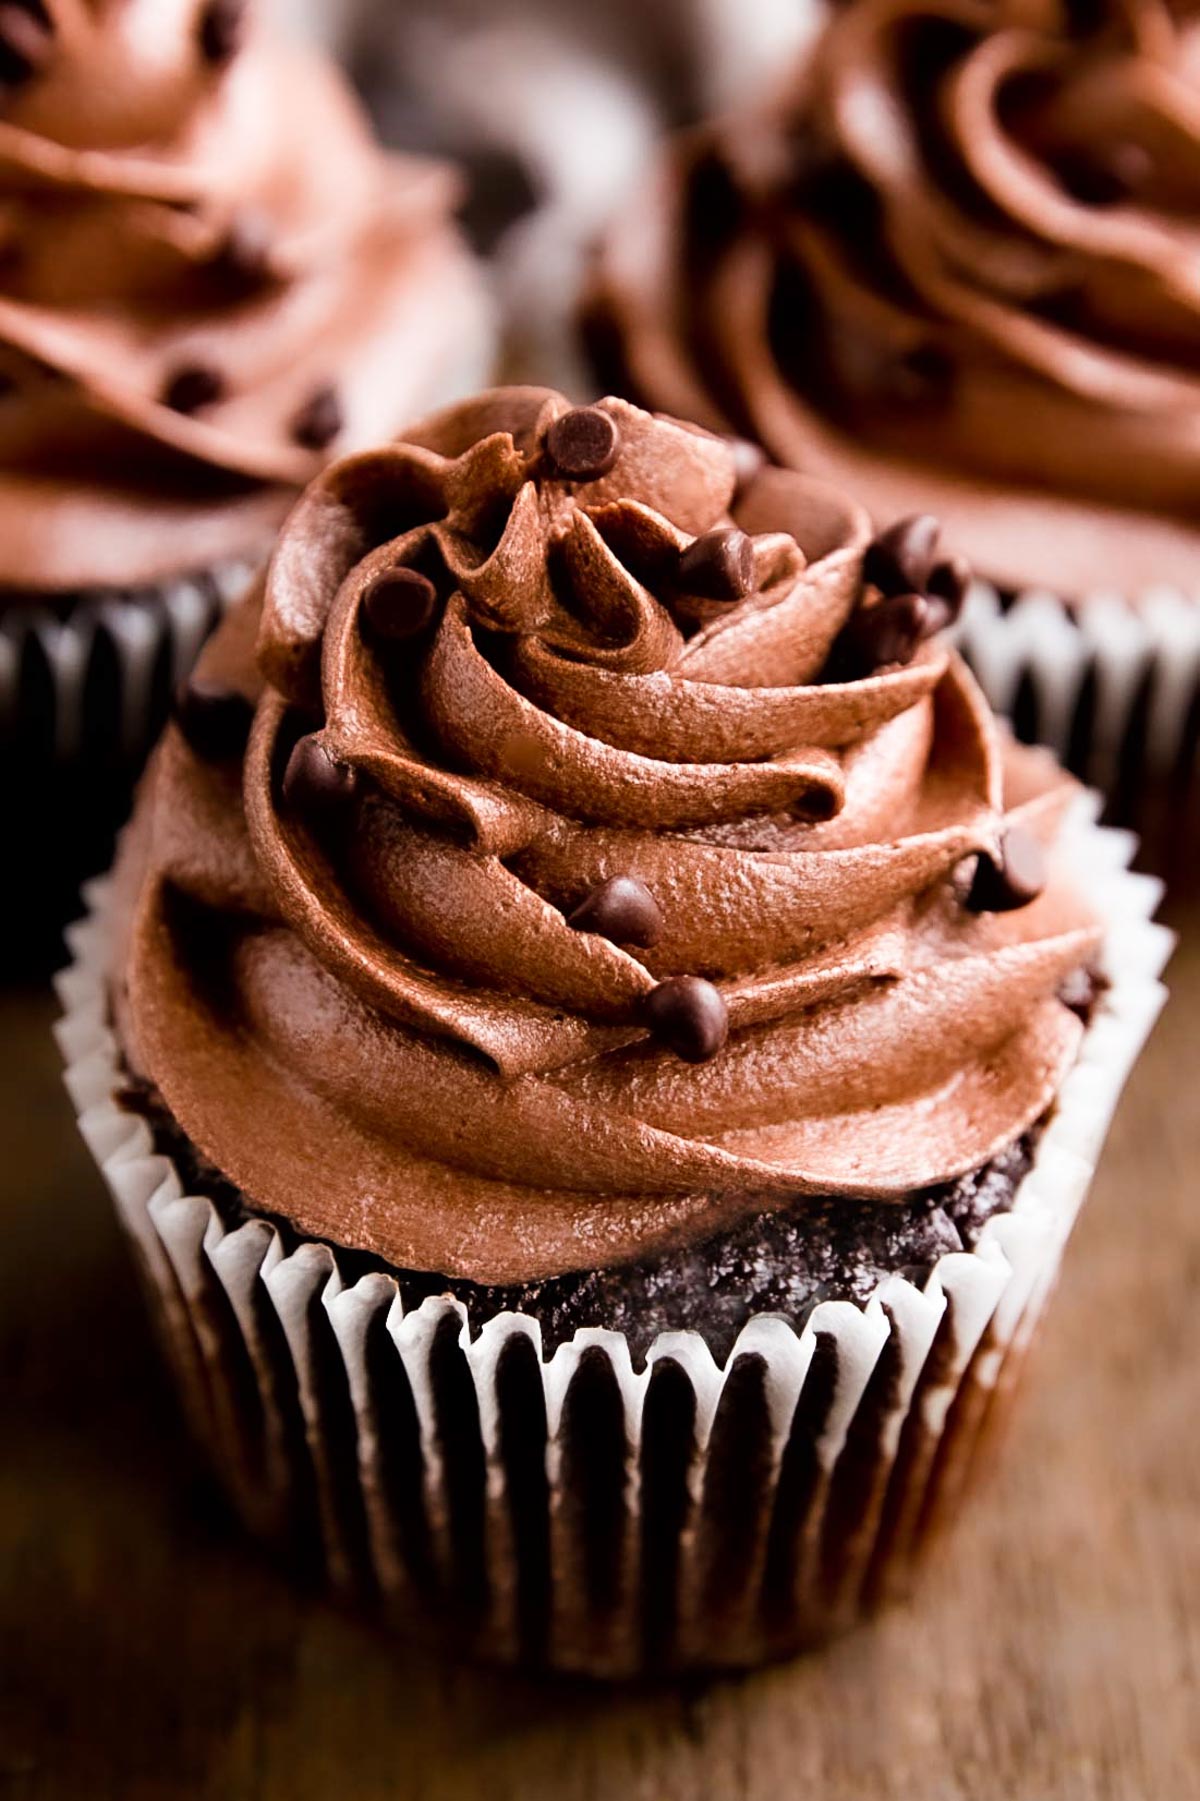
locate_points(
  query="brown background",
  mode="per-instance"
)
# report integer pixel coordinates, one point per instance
(146, 1651)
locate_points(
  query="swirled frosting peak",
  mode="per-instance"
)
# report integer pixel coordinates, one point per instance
(210, 279)
(615, 851)
(952, 263)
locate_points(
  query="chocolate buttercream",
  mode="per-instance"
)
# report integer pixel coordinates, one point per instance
(356, 970)
(211, 279)
(952, 264)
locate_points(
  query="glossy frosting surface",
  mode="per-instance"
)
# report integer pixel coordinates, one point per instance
(952, 263)
(171, 202)
(377, 1019)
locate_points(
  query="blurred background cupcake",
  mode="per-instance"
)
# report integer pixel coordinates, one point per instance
(211, 280)
(600, 1069)
(552, 110)
(950, 261)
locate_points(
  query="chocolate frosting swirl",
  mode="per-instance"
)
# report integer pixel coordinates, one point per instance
(362, 995)
(210, 276)
(952, 263)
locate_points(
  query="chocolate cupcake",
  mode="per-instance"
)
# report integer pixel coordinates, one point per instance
(601, 1070)
(211, 281)
(946, 264)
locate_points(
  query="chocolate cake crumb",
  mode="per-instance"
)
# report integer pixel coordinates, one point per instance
(783, 1262)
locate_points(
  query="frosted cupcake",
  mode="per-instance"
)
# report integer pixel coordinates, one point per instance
(631, 1033)
(211, 280)
(948, 264)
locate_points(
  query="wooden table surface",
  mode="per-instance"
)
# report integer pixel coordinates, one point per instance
(147, 1651)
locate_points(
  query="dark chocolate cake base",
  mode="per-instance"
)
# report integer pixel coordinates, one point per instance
(781, 1262)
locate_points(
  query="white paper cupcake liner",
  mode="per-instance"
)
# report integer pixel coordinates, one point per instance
(1111, 684)
(581, 1512)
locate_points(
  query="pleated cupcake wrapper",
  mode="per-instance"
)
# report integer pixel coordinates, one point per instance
(1113, 683)
(579, 1512)
(134, 647)
(139, 645)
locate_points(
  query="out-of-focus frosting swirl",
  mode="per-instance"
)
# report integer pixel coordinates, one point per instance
(181, 193)
(376, 1017)
(956, 258)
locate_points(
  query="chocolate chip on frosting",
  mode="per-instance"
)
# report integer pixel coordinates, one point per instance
(1012, 879)
(214, 718)
(582, 445)
(887, 633)
(689, 1016)
(718, 565)
(948, 582)
(398, 603)
(315, 784)
(901, 559)
(903, 563)
(26, 40)
(319, 420)
(222, 24)
(192, 387)
(622, 910)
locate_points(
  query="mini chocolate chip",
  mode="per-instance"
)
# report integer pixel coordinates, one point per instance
(623, 910)
(221, 26)
(398, 604)
(214, 718)
(244, 253)
(748, 462)
(689, 1016)
(886, 633)
(945, 593)
(899, 560)
(319, 420)
(26, 41)
(192, 387)
(718, 565)
(315, 784)
(582, 445)
(1012, 879)
(949, 580)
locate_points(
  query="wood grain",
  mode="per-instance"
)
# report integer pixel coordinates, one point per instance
(1053, 1655)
